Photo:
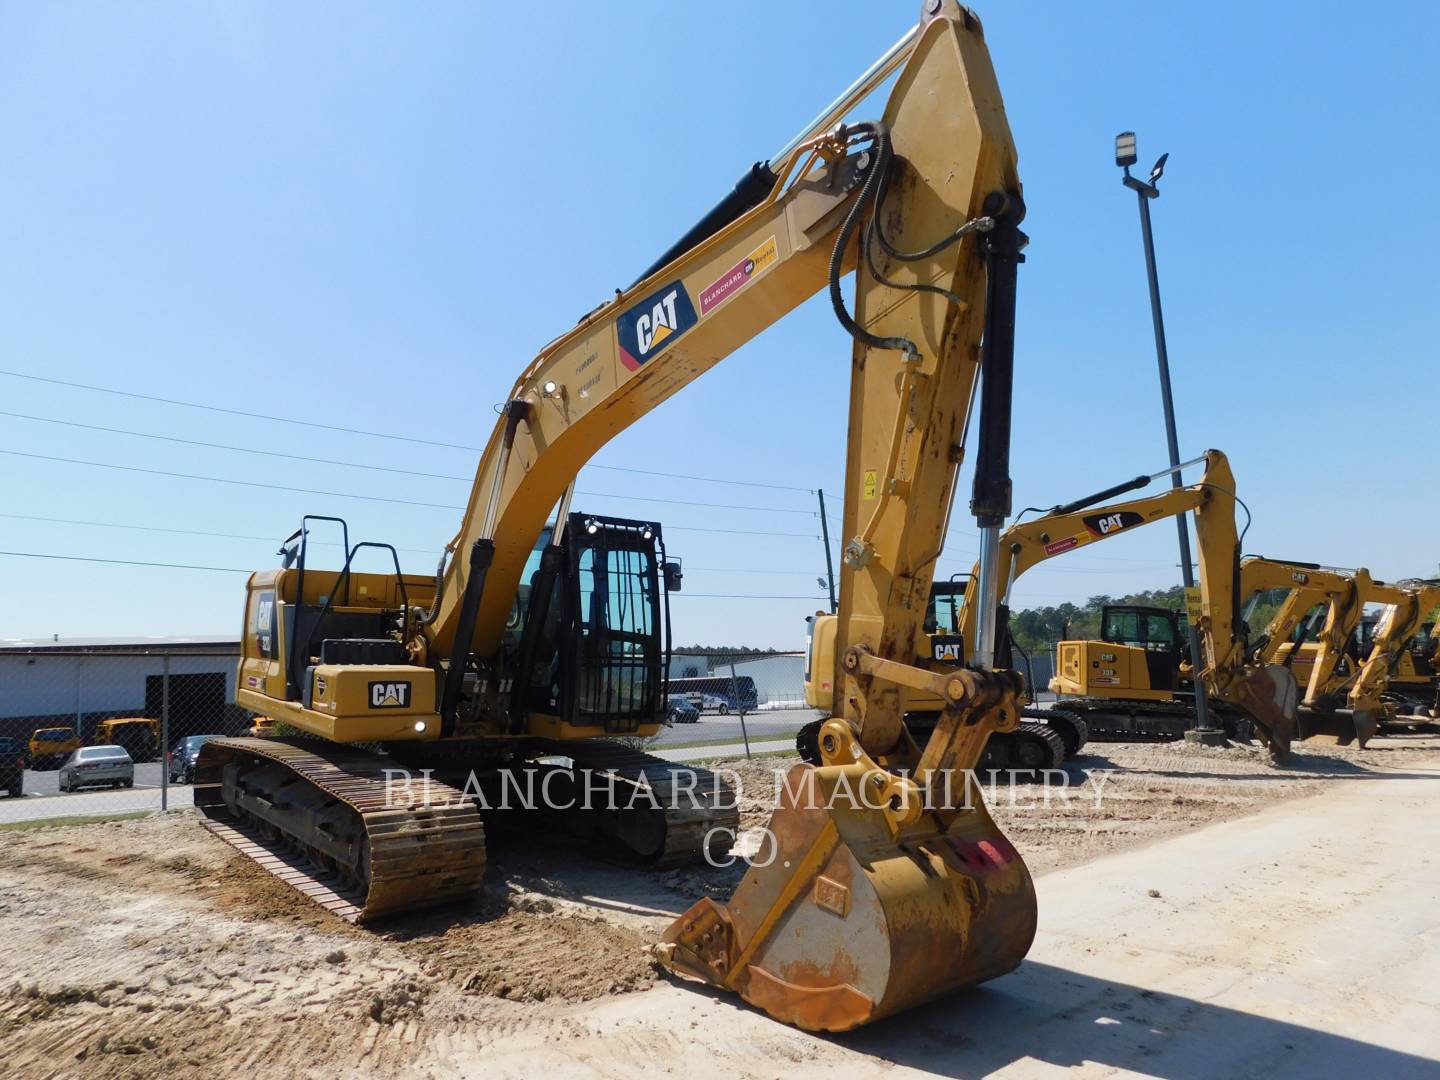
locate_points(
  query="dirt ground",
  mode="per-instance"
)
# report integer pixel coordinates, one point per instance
(148, 946)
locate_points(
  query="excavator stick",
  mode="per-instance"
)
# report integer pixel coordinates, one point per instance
(872, 893)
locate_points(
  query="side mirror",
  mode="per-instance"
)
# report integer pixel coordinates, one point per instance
(673, 576)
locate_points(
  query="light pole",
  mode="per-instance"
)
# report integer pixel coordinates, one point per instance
(1145, 190)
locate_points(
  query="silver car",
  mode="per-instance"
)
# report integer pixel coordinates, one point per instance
(97, 765)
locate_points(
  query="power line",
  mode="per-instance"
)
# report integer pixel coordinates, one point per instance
(185, 532)
(237, 570)
(236, 412)
(701, 479)
(124, 562)
(327, 543)
(223, 480)
(690, 502)
(382, 468)
(365, 433)
(751, 570)
(748, 596)
(235, 449)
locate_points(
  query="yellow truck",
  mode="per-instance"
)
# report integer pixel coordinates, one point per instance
(52, 745)
(139, 736)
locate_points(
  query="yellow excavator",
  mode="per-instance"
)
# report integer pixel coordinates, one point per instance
(543, 636)
(1140, 654)
(1396, 680)
(1347, 690)
(1134, 675)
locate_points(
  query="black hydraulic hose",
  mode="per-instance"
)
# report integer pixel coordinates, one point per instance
(934, 249)
(867, 198)
(434, 612)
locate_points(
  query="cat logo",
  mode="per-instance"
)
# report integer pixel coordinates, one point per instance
(1108, 524)
(389, 695)
(947, 649)
(649, 327)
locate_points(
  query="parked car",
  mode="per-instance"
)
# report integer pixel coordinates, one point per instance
(180, 761)
(12, 767)
(715, 703)
(682, 711)
(52, 745)
(97, 765)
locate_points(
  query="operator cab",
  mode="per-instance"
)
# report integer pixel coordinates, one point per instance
(944, 642)
(584, 652)
(1156, 631)
(588, 640)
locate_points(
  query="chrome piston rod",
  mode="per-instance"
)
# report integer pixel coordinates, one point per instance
(987, 589)
(872, 77)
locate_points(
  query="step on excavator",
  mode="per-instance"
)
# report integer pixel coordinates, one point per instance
(543, 636)
(1125, 687)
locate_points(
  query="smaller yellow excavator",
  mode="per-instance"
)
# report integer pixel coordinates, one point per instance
(1125, 687)
(1136, 669)
(1397, 679)
(1349, 687)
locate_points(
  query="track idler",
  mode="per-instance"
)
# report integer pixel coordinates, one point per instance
(873, 891)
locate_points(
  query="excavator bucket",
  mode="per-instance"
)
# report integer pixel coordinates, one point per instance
(843, 917)
(1269, 695)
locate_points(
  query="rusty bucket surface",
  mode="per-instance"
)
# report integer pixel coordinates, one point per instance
(854, 919)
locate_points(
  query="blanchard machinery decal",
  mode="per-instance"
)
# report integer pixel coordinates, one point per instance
(1107, 524)
(648, 327)
(1065, 543)
(738, 276)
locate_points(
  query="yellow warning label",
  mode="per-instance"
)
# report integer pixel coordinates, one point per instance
(1192, 601)
(872, 481)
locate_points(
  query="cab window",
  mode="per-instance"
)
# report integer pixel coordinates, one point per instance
(1159, 633)
(1124, 628)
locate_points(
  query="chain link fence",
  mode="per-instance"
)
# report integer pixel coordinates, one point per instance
(733, 704)
(60, 705)
(105, 730)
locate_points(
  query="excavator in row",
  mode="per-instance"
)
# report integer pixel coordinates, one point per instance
(1126, 686)
(1344, 688)
(1134, 683)
(539, 649)
(1397, 682)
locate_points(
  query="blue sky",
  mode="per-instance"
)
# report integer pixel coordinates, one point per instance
(372, 216)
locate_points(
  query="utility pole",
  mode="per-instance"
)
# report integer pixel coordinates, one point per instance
(829, 561)
(1145, 191)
